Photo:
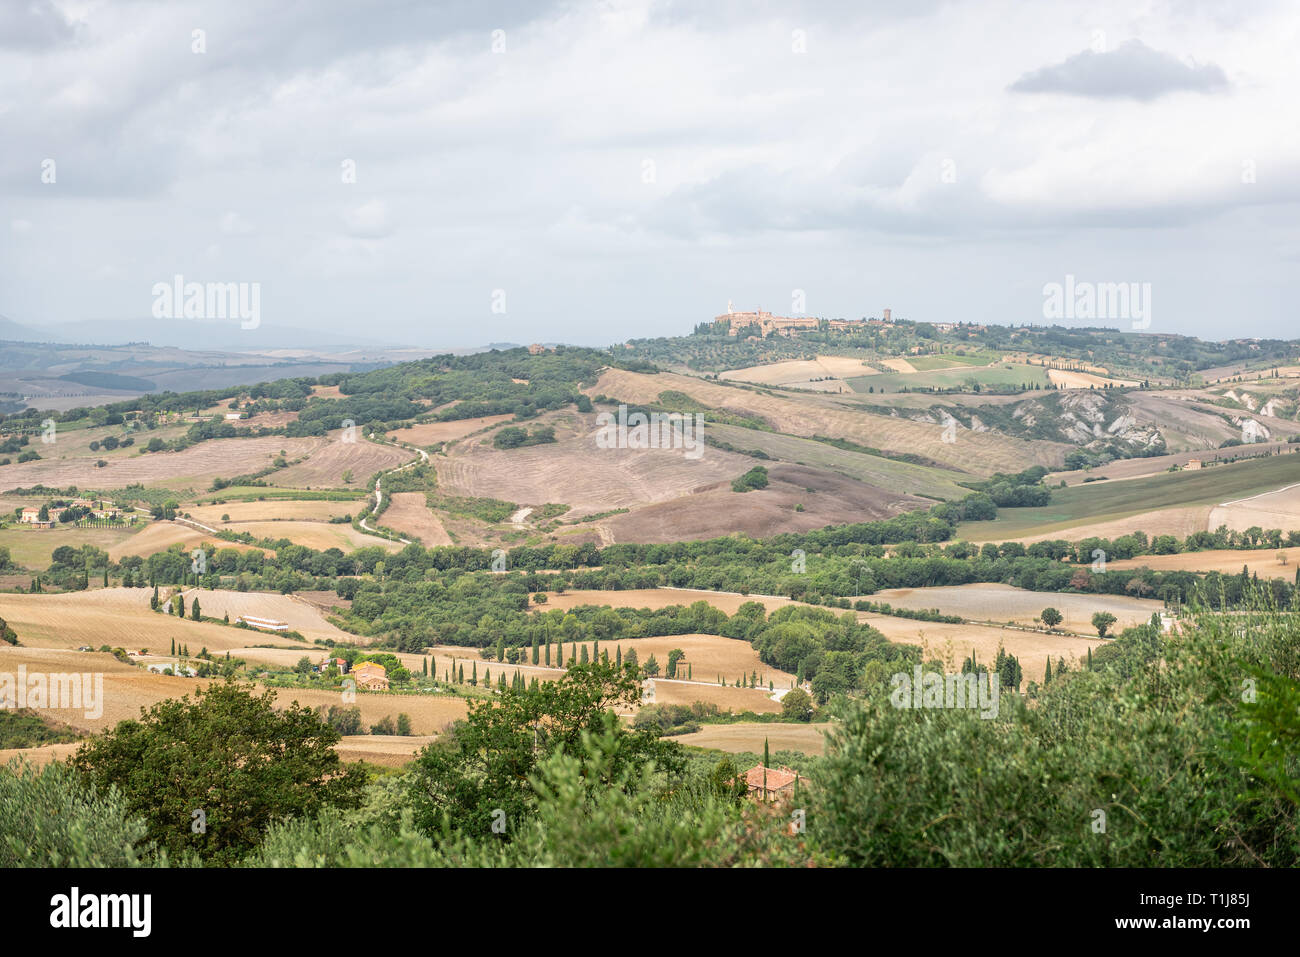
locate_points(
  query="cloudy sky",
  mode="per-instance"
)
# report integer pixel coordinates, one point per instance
(593, 172)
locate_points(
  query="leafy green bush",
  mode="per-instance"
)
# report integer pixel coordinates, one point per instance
(48, 818)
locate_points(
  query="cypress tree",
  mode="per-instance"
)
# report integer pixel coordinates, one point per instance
(536, 652)
(559, 654)
(767, 756)
(584, 654)
(618, 657)
(1047, 674)
(473, 677)
(548, 652)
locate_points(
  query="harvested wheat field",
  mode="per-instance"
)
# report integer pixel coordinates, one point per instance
(575, 471)
(979, 453)
(196, 466)
(278, 510)
(707, 656)
(326, 467)
(1226, 561)
(429, 433)
(429, 714)
(300, 616)
(748, 737)
(951, 644)
(1278, 509)
(318, 535)
(757, 700)
(803, 373)
(798, 499)
(119, 617)
(386, 750)
(39, 757)
(1083, 380)
(128, 688)
(160, 536)
(1006, 603)
(898, 365)
(668, 691)
(409, 513)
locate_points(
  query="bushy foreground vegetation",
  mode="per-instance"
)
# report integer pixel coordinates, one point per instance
(1169, 750)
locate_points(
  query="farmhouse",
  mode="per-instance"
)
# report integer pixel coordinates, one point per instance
(1193, 465)
(266, 624)
(771, 784)
(371, 676)
(32, 516)
(171, 668)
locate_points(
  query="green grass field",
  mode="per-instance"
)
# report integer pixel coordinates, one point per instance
(999, 375)
(32, 547)
(947, 359)
(1104, 501)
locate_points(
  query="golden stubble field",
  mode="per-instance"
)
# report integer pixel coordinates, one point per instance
(196, 466)
(750, 736)
(429, 433)
(328, 465)
(127, 688)
(273, 510)
(1227, 561)
(120, 617)
(576, 471)
(409, 513)
(1276, 509)
(160, 536)
(1005, 603)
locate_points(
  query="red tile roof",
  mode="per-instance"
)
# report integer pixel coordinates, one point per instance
(777, 778)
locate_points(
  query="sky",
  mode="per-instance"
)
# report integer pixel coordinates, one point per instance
(447, 174)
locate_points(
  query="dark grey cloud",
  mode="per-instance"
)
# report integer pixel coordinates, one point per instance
(1133, 70)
